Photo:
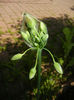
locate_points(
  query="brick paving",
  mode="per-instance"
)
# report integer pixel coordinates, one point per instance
(11, 10)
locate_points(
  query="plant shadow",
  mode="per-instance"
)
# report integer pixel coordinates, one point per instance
(67, 93)
(14, 81)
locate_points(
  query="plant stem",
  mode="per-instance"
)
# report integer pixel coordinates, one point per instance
(39, 71)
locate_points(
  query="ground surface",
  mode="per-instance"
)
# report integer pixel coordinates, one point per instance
(11, 10)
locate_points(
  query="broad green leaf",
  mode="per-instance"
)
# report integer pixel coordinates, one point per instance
(17, 56)
(67, 48)
(32, 73)
(58, 67)
(66, 30)
(67, 33)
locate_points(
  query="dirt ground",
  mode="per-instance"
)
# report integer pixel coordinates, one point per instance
(11, 10)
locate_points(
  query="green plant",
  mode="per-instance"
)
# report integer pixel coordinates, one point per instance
(35, 35)
(68, 44)
(50, 85)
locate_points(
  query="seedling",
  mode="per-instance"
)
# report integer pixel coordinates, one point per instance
(35, 35)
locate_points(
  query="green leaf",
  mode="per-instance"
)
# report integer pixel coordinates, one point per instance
(66, 30)
(67, 33)
(58, 67)
(32, 73)
(17, 56)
